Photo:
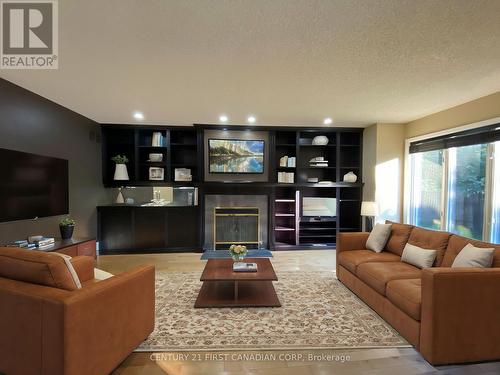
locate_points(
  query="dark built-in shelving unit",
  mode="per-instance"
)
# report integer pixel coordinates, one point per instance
(179, 149)
(343, 153)
(183, 147)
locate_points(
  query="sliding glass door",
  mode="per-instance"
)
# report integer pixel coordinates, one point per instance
(457, 189)
(427, 182)
(495, 209)
(466, 190)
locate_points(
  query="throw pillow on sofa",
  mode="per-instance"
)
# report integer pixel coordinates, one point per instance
(471, 256)
(101, 274)
(71, 269)
(418, 257)
(378, 237)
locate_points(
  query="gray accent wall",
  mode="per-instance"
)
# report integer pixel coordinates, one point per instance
(31, 123)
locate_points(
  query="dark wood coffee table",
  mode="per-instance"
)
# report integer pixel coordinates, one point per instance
(224, 288)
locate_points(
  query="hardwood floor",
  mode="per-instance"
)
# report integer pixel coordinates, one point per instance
(384, 361)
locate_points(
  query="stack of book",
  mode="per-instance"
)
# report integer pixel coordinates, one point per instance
(22, 244)
(318, 162)
(244, 267)
(286, 177)
(44, 243)
(288, 161)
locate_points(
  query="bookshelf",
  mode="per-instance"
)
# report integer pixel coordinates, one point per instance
(318, 172)
(286, 216)
(286, 148)
(184, 152)
(178, 148)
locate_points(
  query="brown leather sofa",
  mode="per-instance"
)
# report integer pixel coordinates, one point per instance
(50, 327)
(450, 315)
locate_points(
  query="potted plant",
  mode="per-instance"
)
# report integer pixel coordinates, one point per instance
(67, 226)
(121, 173)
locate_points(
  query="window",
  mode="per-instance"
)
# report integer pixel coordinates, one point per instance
(426, 210)
(466, 189)
(495, 216)
(455, 184)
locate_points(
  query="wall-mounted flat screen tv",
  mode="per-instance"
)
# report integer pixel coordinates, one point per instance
(236, 156)
(32, 186)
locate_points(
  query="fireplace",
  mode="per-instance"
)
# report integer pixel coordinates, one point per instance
(235, 219)
(236, 225)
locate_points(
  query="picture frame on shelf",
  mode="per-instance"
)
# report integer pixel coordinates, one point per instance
(182, 174)
(156, 174)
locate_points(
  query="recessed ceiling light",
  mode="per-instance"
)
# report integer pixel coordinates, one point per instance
(223, 118)
(327, 121)
(139, 116)
(251, 119)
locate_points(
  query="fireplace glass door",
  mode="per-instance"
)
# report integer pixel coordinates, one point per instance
(236, 225)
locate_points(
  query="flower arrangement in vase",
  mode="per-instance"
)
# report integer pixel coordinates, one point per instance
(238, 252)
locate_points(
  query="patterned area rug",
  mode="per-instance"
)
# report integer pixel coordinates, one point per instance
(317, 312)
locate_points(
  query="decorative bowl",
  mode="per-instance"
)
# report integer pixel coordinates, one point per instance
(320, 140)
(156, 157)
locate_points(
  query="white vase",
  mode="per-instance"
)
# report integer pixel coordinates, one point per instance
(121, 173)
(119, 197)
(157, 139)
(350, 177)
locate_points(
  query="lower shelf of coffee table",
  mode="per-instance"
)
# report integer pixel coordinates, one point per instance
(248, 294)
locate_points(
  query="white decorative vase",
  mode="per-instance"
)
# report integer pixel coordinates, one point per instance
(320, 140)
(119, 197)
(121, 173)
(157, 140)
(350, 177)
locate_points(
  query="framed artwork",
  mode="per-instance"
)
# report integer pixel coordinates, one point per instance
(156, 174)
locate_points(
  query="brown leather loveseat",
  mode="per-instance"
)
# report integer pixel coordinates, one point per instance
(450, 315)
(50, 326)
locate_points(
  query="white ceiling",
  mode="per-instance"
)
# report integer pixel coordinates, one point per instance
(290, 62)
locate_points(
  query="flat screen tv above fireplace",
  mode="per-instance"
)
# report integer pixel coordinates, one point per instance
(235, 156)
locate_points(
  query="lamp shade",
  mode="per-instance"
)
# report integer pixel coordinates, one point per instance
(369, 209)
(121, 173)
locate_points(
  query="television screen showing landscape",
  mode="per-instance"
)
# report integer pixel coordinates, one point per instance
(236, 156)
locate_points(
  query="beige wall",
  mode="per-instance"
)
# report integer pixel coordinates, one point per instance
(390, 170)
(383, 162)
(480, 109)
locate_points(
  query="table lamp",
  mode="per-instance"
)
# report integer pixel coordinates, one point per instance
(369, 210)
